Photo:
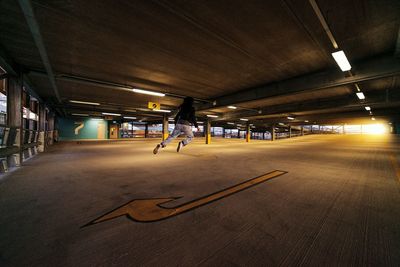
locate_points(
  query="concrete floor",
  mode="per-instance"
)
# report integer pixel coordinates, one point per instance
(339, 204)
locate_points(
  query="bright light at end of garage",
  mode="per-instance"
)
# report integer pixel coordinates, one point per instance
(141, 91)
(85, 103)
(360, 95)
(367, 108)
(212, 116)
(111, 114)
(375, 129)
(373, 118)
(232, 107)
(341, 60)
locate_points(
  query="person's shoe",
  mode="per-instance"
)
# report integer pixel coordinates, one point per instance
(180, 145)
(155, 150)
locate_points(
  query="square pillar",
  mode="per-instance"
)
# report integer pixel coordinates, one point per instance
(146, 130)
(14, 116)
(42, 127)
(207, 130)
(272, 132)
(290, 131)
(248, 133)
(165, 127)
(302, 130)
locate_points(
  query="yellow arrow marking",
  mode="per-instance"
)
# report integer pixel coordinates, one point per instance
(149, 210)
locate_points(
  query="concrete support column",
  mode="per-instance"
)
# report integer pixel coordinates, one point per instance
(50, 130)
(248, 133)
(223, 132)
(344, 131)
(302, 130)
(272, 131)
(146, 130)
(14, 114)
(207, 130)
(290, 131)
(42, 127)
(165, 127)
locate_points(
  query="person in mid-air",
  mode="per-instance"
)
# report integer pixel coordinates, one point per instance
(184, 120)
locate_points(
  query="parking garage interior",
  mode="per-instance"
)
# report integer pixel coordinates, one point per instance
(295, 160)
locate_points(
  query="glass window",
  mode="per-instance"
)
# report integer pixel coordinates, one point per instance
(3, 99)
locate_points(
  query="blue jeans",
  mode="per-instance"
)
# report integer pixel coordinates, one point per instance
(180, 128)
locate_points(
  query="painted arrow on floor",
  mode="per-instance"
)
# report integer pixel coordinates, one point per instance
(149, 210)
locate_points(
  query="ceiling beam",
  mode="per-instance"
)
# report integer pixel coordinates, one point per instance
(337, 103)
(105, 84)
(27, 9)
(371, 69)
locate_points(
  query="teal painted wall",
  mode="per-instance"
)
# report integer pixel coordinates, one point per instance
(72, 129)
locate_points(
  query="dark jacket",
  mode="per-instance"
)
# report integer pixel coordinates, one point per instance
(186, 115)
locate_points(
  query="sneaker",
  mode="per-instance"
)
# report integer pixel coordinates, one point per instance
(155, 150)
(180, 145)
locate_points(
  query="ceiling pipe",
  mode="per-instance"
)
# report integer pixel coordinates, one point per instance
(323, 22)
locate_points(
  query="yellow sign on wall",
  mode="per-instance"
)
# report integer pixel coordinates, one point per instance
(153, 105)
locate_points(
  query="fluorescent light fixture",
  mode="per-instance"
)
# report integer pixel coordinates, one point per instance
(79, 114)
(358, 87)
(141, 91)
(244, 119)
(212, 116)
(230, 123)
(281, 123)
(200, 122)
(111, 114)
(127, 117)
(360, 95)
(368, 108)
(306, 121)
(161, 110)
(290, 118)
(373, 118)
(341, 60)
(85, 103)
(232, 107)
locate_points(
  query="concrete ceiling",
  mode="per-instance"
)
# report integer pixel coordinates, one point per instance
(268, 56)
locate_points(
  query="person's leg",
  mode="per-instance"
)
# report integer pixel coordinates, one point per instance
(175, 133)
(187, 130)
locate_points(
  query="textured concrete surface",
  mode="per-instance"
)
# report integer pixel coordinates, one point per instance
(339, 204)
